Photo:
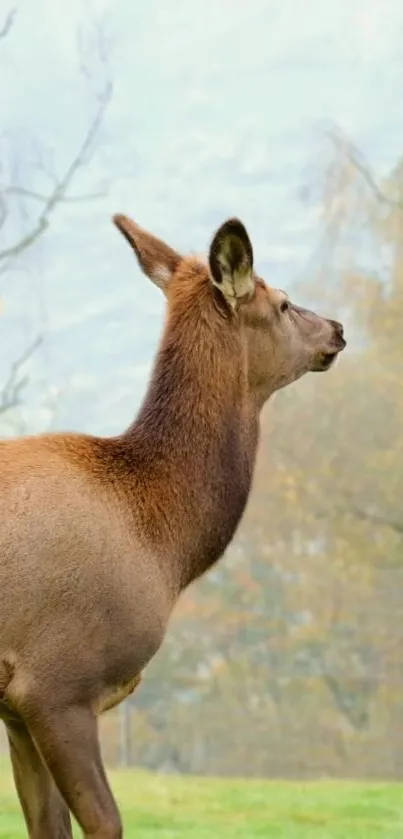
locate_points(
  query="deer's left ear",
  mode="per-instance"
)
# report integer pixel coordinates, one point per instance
(156, 259)
(231, 261)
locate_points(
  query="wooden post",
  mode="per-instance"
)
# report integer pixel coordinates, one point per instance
(125, 734)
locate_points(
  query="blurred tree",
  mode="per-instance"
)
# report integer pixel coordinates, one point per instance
(287, 658)
(31, 191)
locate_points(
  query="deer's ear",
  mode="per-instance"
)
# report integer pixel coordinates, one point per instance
(158, 261)
(231, 261)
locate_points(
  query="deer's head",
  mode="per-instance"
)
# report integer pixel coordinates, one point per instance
(280, 340)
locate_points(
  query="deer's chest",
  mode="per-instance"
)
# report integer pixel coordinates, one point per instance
(114, 696)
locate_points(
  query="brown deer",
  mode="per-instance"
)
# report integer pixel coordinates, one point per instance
(99, 536)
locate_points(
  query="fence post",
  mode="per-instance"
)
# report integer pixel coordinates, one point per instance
(125, 734)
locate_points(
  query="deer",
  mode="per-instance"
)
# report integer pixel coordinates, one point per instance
(100, 536)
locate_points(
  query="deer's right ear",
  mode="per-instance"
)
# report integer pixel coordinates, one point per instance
(158, 261)
(231, 261)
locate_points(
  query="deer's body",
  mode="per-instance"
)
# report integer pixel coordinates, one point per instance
(92, 586)
(99, 536)
(101, 578)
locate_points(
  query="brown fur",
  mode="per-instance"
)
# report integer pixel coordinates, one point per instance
(99, 536)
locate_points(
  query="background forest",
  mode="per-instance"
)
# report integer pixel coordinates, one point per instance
(285, 660)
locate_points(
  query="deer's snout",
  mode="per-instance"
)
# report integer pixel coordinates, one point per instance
(338, 327)
(338, 331)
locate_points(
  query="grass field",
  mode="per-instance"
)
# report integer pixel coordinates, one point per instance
(177, 808)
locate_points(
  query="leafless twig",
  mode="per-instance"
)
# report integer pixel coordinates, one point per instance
(366, 515)
(8, 23)
(37, 196)
(59, 193)
(350, 507)
(357, 159)
(10, 396)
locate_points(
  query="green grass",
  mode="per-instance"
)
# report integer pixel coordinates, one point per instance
(157, 807)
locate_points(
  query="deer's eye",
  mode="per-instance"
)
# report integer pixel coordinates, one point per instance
(284, 306)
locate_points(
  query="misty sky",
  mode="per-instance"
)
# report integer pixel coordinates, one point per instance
(218, 109)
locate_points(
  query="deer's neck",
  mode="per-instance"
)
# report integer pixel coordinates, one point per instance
(193, 449)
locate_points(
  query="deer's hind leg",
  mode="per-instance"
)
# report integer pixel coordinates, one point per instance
(46, 814)
(67, 737)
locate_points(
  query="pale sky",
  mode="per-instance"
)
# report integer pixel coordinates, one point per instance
(217, 110)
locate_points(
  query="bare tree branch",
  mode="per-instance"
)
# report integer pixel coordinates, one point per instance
(37, 196)
(12, 390)
(357, 159)
(8, 23)
(366, 515)
(350, 507)
(10, 396)
(59, 193)
(3, 210)
(26, 241)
